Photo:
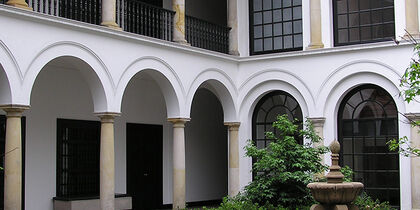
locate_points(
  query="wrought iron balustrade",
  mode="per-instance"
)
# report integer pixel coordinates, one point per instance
(203, 34)
(88, 11)
(140, 18)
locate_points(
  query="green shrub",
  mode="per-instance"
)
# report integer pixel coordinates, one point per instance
(283, 169)
(348, 173)
(240, 202)
(365, 202)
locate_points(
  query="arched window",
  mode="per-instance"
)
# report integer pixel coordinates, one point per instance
(266, 111)
(367, 119)
(361, 21)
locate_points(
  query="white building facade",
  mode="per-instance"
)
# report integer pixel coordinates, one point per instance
(163, 123)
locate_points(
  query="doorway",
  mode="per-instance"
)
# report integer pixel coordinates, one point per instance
(144, 165)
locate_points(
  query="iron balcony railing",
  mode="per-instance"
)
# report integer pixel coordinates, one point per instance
(206, 35)
(139, 18)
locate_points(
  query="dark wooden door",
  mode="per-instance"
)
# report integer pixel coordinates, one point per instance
(144, 165)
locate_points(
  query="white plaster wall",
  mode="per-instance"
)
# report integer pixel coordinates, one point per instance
(312, 74)
(58, 93)
(63, 93)
(206, 149)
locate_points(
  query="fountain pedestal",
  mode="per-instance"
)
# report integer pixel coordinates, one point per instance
(334, 194)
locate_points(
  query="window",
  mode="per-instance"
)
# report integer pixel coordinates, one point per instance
(266, 112)
(367, 119)
(275, 26)
(362, 21)
(78, 146)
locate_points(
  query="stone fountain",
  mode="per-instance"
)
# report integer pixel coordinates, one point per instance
(335, 194)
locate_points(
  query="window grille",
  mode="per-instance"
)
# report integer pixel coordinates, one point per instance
(368, 118)
(266, 112)
(275, 26)
(78, 147)
(363, 21)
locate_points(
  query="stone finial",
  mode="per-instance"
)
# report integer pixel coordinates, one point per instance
(335, 175)
(335, 147)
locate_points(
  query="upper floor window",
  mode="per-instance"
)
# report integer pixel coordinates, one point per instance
(275, 26)
(362, 21)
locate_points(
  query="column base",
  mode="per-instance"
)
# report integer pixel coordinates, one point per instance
(234, 52)
(111, 25)
(19, 4)
(313, 46)
(182, 41)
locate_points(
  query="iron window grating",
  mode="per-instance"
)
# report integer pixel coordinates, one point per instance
(356, 23)
(78, 145)
(364, 151)
(270, 27)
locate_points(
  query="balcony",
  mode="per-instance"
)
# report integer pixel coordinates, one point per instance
(140, 18)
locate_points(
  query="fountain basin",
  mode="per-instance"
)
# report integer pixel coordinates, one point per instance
(335, 193)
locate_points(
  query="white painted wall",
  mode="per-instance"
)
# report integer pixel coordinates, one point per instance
(58, 93)
(206, 149)
(317, 79)
(63, 93)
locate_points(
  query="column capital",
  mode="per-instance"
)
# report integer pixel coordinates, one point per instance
(14, 110)
(317, 121)
(107, 117)
(179, 122)
(233, 125)
(412, 116)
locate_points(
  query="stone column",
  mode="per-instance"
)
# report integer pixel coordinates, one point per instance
(179, 21)
(412, 18)
(178, 175)
(233, 24)
(415, 162)
(316, 30)
(233, 158)
(13, 157)
(318, 123)
(108, 14)
(19, 4)
(107, 161)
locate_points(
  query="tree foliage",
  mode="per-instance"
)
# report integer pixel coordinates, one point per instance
(410, 83)
(283, 169)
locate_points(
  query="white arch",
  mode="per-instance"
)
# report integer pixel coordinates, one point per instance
(345, 85)
(250, 94)
(10, 76)
(166, 78)
(268, 80)
(91, 67)
(349, 69)
(219, 83)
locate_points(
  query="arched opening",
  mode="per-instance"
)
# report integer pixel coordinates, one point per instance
(206, 150)
(146, 138)
(5, 91)
(62, 155)
(367, 120)
(266, 111)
